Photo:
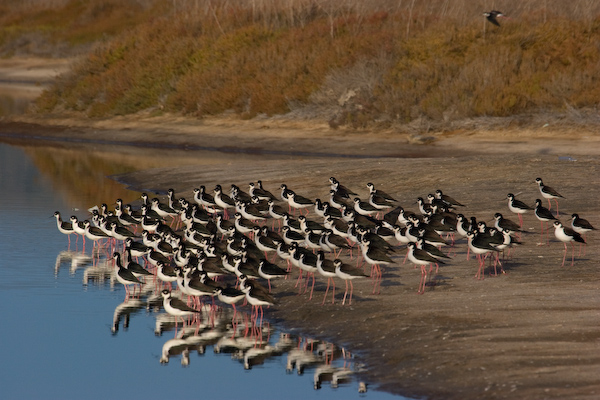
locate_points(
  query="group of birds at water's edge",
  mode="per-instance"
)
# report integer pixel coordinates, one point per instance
(230, 246)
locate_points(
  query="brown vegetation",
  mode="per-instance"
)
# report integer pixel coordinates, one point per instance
(356, 64)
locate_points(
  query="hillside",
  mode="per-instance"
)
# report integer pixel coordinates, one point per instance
(427, 66)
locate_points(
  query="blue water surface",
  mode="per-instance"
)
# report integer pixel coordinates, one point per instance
(58, 331)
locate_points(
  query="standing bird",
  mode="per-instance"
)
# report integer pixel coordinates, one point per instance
(124, 275)
(347, 273)
(517, 206)
(447, 199)
(64, 226)
(581, 226)
(544, 215)
(479, 245)
(548, 193)
(566, 235)
(493, 16)
(326, 268)
(341, 189)
(176, 307)
(423, 259)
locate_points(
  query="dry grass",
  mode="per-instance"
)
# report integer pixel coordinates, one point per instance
(388, 62)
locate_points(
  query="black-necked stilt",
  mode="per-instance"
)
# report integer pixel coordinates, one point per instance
(309, 224)
(204, 199)
(265, 231)
(150, 225)
(447, 199)
(517, 207)
(230, 295)
(336, 201)
(64, 227)
(283, 252)
(566, 235)
(249, 211)
(480, 246)
(329, 211)
(505, 223)
(224, 225)
(124, 275)
(326, 268)
(276, 211)
(268, 271)
(284, 192)
(134, 267)
(432, 250)
(299, 202)
(243, 225)
(120, 232)
(376, 257)
(263, 243)
(290, 236)
(124, 218)
(312, 240)
(347, 273)
(380, 193)
(292, 223)
(493, 16)
(423, 259)
(176, 307)
(222, 200)
(135, 214)
(581, 226)
(94, 233)
(364, 208)
(424, 207)
(174, 202)
(440, 224)
(163, 210)
(213, 266)
(462, 225)
(319, 208)
(78, 227)
(429, 235)
(258, 191)
(256, 297)
(198, 284)
(248, 269)
(508, 242)
(239, 195)
(379, 202)
(340, 189)
(165, 271)
(339, 227)
(261, 205)
(307, 262)
(543, 215)
(334, 242)
(548, 193)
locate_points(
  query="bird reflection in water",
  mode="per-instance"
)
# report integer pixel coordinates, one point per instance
(77, 260)
(246, 339)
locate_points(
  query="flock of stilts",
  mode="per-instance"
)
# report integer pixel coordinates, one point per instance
(195, 243)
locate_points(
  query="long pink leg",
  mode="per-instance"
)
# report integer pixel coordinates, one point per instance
(351, 291)
(565, 256)
(326, 290)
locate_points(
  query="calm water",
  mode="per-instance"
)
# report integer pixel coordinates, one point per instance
(68, 331)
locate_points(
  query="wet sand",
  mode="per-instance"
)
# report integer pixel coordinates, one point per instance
(531, 333)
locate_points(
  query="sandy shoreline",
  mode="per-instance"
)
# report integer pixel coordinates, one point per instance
(529, 334)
